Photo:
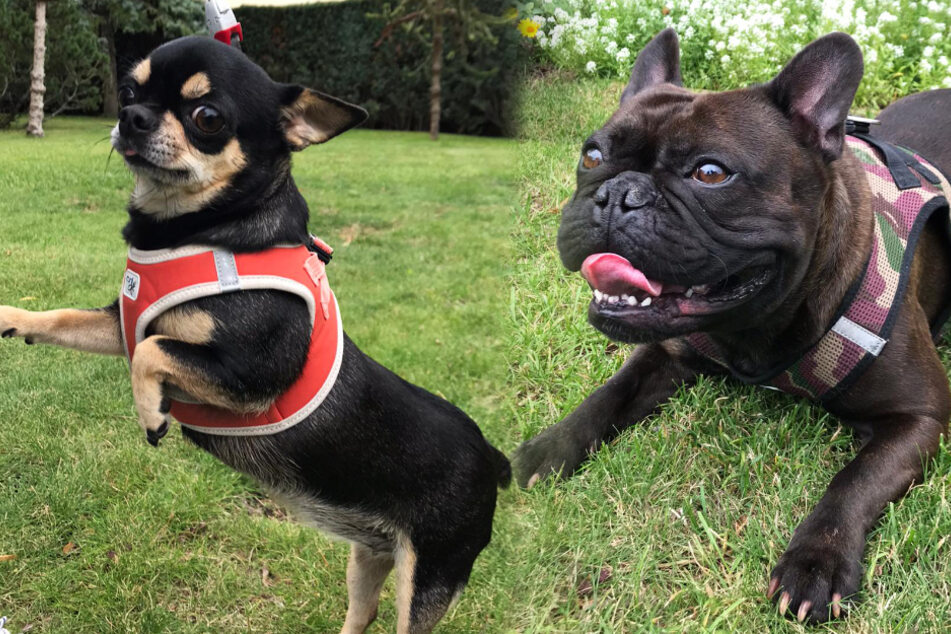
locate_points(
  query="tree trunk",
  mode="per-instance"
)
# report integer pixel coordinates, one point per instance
(435, 86)
(110, 95)
(37, 75)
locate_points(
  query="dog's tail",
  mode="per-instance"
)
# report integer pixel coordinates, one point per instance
(503, 468)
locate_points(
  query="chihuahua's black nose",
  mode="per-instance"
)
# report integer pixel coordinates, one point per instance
(137, 120)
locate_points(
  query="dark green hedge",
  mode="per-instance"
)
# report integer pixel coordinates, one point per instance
(330, 47)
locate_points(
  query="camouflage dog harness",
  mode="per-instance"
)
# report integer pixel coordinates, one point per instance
(906, 190)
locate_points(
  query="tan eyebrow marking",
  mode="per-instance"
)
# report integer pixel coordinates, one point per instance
(196, 86)
(142, 71)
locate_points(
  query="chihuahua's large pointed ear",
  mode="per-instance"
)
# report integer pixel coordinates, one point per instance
(309, 116)
(657, 63)
(815, 91)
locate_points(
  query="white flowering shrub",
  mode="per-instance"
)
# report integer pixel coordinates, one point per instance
(729, 44)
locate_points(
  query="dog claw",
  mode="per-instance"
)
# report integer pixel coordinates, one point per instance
(532, 481)
(803, 611)
(836, 605)
(784, 601)
(773, 587)
(153, 436)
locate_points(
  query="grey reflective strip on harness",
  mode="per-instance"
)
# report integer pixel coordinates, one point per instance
(863, 338)
(227, 271)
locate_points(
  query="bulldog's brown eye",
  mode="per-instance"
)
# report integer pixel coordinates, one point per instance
(710, 174)
(126, 96)
(592, 158)
(208, 119)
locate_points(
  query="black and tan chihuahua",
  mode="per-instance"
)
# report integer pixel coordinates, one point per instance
(403, 475)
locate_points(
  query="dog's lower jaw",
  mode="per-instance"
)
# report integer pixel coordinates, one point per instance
(165, 201)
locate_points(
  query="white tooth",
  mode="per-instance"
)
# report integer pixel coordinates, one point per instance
(632, 301)
(598, 295)
(689, 293)
(613, 299)
(646, 302)
(623, 297)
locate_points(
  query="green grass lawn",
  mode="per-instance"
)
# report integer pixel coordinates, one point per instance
(685, 515)
(672, 528)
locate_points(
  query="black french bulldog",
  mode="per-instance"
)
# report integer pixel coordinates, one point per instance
(739, 215)
(403, 475)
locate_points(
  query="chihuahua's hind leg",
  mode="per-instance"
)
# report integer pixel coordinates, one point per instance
(366, 572)
(96, 330)
(428, 582)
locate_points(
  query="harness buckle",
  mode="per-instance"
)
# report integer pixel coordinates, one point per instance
(323, 250)
(859, 125)
(316, 269)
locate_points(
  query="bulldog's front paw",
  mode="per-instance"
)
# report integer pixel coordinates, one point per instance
(13, 323)
(819, 569)
(552, 452)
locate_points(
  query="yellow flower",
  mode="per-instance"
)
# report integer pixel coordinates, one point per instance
(510, 14)
(528, 28)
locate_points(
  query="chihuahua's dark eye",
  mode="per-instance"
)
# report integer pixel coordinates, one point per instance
(710, 174)
(126, 96)
(592, 158)
(208, 119)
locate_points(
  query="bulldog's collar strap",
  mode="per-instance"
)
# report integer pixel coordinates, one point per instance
(156, 281)
(861, 328)
(900, 164)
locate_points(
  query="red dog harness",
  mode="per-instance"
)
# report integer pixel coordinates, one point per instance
(156, 281)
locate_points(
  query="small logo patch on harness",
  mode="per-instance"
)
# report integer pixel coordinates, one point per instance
(130, 285)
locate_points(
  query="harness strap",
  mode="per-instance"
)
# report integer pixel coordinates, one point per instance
(898, 162)
(227, 270)
(860, 336)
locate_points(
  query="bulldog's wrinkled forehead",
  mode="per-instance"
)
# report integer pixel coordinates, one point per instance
(653, 106)
(670, 124)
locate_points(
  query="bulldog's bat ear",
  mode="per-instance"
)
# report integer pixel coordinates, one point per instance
(309, 116)
(657, 63)
(815, 91)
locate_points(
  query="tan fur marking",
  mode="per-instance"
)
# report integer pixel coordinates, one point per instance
(86, 330)
(366, 573)
(405, 572)
(152, 367)
(142, 71)
(190, 326)
(210, 173)
(196, 86)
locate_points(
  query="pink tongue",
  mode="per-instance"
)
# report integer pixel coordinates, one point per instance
(614, 275)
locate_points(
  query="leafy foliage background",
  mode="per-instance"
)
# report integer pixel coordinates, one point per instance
(75, 58)
(335, 48)
(329, 46)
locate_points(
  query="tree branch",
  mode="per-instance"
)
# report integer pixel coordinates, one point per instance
(388, 29)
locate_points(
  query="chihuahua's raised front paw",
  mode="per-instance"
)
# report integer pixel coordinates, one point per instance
(153, 436)
(818, 570)
(13, 323)
(156, 422)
